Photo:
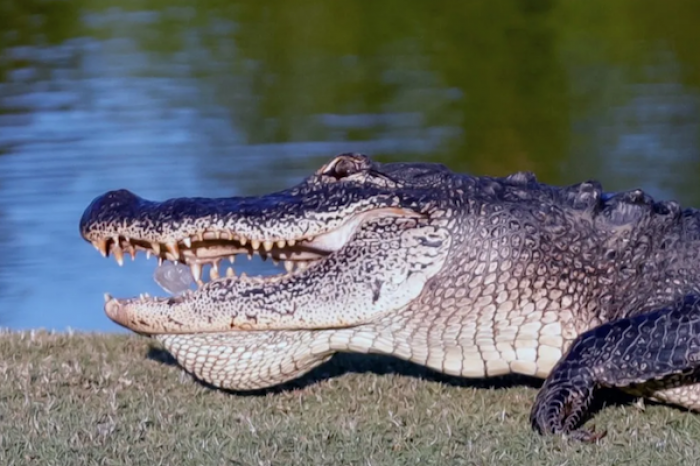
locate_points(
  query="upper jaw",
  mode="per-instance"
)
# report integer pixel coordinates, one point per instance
(300, 214)
(201, 231)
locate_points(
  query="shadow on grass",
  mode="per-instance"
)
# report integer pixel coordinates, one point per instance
(351, 363)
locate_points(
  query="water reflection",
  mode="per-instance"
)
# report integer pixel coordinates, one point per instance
(216, 99)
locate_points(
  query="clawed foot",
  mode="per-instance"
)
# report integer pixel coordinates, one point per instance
(586, 435)
(559, 409)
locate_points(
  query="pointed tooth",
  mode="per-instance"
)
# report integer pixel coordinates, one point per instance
(289, 266)
(267, 245)
(229, 272)
(232, 258)
(250, 256)
(217, 234)
(244, 275)
(281, 243)
(213, 273)
(156, 248)
(148, 253)
(196, 269)
(108, 297)
(131, 251)
(275, 261)
(172, 248)
(255, 243)
(302, 265)
(243, 240)
(200, 236)
(101, 245)
(118, 255)
(187, 242)
(200, 283)
(160, 261)
(291, 242)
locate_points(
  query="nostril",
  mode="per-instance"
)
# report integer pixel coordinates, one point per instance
(117, 198)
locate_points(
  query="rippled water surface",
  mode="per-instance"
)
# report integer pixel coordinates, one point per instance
(229, 98)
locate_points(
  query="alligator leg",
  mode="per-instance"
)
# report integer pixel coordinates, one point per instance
(645, 353)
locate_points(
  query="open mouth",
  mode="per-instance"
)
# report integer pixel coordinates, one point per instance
(217, 249)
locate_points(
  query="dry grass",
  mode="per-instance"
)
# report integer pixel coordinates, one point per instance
(118, 400)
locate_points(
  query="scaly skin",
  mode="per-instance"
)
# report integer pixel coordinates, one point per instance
(470, 276)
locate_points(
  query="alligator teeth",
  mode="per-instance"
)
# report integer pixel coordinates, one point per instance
(148, 253)
(302, 265)
(213, 272)
(101, 245)
(172, 248)
(196, 269)
(187, 242)
(229, 272)
(108, 297)
(200, 236)
(267, 245)
(289, 266)
(281, 243)
(291, 242)
(255, 243)
(232, 258)
(156, 248)
(243, 240)
(118, 254)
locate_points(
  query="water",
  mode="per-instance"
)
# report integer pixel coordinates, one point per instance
(230, 98)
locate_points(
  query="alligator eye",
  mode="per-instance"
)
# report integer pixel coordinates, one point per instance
(345, 165)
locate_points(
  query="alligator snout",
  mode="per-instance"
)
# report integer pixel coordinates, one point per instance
(119, 203)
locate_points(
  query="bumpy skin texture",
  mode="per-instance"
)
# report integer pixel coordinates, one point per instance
(641, 353)
(471, 276)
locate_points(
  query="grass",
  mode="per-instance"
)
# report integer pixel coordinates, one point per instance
(120, 400)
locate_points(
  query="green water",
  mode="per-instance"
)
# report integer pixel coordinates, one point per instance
(211, 98)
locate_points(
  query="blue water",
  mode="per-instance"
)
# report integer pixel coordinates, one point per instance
(194, 101)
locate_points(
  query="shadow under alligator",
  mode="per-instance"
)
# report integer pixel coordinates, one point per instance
(347, 363)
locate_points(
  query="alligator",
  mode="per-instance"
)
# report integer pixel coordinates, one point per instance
(471, 276)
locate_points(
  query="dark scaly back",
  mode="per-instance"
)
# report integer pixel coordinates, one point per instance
(612, 254)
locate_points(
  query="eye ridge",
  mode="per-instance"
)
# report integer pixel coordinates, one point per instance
(346, 167)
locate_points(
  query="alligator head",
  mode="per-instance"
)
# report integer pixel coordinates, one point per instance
(358, 239)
